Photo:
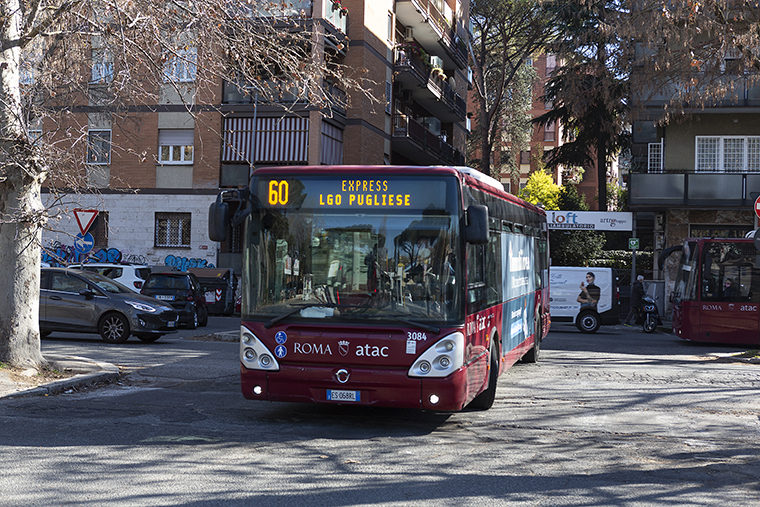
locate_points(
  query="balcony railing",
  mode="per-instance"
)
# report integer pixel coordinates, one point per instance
(438, 16)
(436, 149)
(338, 98)
(692, 189)
(285, 9)
(410, 62)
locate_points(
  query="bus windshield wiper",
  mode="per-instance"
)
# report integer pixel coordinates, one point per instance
(295, 310)
(303, 306)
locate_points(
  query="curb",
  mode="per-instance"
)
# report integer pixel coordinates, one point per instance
(106, 372)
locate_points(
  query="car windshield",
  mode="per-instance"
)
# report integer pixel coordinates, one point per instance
(167, 282)
(105, 284)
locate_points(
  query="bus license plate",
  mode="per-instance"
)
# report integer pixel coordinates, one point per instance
(333, 395)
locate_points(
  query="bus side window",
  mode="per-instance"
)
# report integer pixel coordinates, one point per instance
(475, 278)
(493, 269)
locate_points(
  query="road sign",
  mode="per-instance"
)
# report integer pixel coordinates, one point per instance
(84, 243)
(757, 206)
(756, 240)
(85, 218)
(633, 243)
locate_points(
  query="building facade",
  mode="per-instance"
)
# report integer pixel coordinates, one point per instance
(154, 190)
(700, 173)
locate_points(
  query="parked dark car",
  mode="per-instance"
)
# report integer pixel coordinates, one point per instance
(183, 292)
(83, 301)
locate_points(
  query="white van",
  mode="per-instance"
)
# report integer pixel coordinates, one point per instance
(588, 297)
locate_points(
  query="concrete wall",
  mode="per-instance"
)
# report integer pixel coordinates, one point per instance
(131, 221)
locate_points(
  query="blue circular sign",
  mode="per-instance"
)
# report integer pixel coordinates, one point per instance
(281, 337)
(280, 351)
(83, 244)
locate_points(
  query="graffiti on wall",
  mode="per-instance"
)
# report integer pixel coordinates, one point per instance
(183, 263)
(58, 254)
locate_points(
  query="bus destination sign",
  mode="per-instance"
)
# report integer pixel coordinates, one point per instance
(346, 193)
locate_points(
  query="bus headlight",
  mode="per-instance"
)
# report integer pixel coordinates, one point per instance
(440, 360)
(255, 355)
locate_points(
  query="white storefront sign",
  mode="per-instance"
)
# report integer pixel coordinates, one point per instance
(590, 220)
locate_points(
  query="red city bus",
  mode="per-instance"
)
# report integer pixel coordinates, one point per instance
(388, 286)
(716, 297)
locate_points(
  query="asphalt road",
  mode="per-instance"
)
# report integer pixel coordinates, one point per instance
(616, 418)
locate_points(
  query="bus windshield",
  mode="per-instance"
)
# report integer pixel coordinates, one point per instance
(371, 265)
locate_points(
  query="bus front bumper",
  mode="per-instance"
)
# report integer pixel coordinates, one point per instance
(381, 388)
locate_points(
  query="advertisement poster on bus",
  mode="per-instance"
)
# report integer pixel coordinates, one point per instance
(518, 317)
(573, 289)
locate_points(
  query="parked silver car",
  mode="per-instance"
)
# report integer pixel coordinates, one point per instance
(82, 301)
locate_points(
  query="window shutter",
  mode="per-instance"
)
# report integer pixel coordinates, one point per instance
(175, 137)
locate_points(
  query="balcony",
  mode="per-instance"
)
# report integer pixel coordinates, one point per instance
(649, 191)
(433, 24)
(745, 95)
(426, 88)
(417, 143)
(297, 9)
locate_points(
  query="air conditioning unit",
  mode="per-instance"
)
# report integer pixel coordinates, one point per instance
(408, 34)
(436, 62)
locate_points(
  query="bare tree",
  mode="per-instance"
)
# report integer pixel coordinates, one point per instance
(505, 34)
(63, 58)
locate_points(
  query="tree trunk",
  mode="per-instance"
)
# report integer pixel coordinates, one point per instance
(601, 171)
(20, 209)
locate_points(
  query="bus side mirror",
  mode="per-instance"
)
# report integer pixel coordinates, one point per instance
(218, 220)
(476, 231)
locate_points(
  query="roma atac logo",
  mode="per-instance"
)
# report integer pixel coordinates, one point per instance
(343, 347)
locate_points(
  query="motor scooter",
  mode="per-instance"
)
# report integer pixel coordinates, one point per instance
(650, 317)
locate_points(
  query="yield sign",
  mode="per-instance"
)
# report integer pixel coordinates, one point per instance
(85, 218)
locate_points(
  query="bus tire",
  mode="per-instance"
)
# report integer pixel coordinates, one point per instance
(588, 322)
(532, 355)
(485, 400)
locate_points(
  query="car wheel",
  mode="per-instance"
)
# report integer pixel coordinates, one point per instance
(485, 400)
(114, 328)
(193, 323)
(148, 338)
(588, 322)
(204, 321)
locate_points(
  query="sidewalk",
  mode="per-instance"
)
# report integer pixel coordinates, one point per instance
(85, 372)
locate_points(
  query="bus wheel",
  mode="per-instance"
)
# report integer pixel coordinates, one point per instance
(484, 400)
(532, 355)
(588, 322)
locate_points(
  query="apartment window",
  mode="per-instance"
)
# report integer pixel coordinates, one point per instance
(524, 157)
(175, 146)
(730, 154)
(654, 163)
(551, 63)
(390, 27)
(102, 67)
(180, 66)
(549, 132)
(99, 147)
(173, 230)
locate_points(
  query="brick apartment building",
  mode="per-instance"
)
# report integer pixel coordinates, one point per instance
(153, 207)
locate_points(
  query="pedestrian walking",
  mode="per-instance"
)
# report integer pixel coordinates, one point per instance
(637, 296)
